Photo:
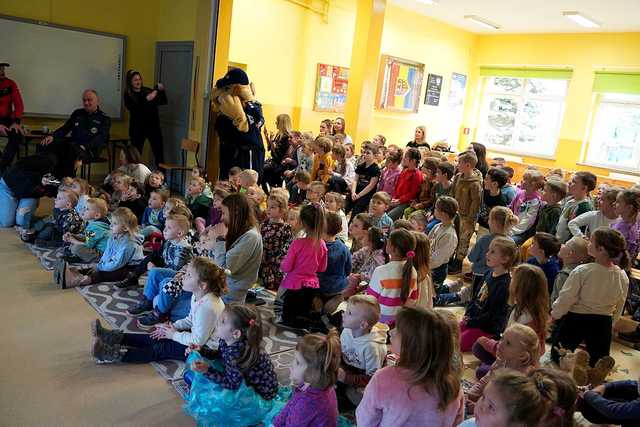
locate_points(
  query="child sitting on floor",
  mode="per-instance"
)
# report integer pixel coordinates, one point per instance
(333, 280)
(153, 218)
(358, 230)
(239, 375)
(334, 202)
(593, 297)
(487, 314)
(492, 197)
(365, 261)
(122, 254)
(82, 188)
(89, 246)
(395, 283)
(390, 173)
(298, 187)
(276, 238)
(315, 192)
(526, 205)
(48, 232)
(197, 201)
(425, 287)
(206, 281)
(544, 251)
(628, 206)
(554, 191)
(155, 181)
(572, 254)
(377, 210)
(425, 199)
(424, 384)
(363, 346)
(582, 183)
(314, 374)
(134, 199)
(322, 160)
(603, 217)
(443, 238)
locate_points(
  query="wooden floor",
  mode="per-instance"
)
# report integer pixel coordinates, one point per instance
(47, 377)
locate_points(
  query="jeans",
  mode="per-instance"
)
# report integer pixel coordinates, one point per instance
(141, 348)
(396, 213)
(439, 274)
(14, 211)
(177, 307)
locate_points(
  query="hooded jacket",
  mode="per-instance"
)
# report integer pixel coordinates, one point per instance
(121, 251)
(365, 353)
(468, 192)
(97, 234)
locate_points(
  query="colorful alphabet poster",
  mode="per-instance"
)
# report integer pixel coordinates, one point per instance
(331, 88)
(400, 85)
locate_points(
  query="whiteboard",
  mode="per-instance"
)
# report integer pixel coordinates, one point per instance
(53, 65)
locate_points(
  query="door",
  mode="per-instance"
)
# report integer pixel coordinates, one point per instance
(174, 69)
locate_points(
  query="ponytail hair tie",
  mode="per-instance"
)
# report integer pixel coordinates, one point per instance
(411, 254)
(252, 322)
(558, 412)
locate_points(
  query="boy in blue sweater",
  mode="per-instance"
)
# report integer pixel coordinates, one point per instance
(544, 254)
(121, 255)
(176, 253)
(334, 279)
(89, 246)
(153, 217)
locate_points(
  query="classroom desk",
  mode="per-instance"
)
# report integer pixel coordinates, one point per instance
(113, 143)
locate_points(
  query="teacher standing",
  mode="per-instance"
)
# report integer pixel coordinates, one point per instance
(144, 121)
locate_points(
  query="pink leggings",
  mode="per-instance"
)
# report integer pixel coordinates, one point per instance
(468, 336)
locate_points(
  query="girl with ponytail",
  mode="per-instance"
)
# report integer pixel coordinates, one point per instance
(314, 373)
(593, 297)
(396, 283)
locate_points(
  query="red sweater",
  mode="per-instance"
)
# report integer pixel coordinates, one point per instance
(408, 185)
(11, 106)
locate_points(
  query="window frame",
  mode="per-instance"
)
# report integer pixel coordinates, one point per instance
(522, 97)
(599, 99)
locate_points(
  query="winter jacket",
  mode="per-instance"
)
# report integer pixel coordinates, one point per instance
(121, 251)
(97, 234)
(68, 221)
(153, 217)
(468, 192)
(176, 254)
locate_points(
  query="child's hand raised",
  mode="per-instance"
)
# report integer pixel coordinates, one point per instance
(199, 366)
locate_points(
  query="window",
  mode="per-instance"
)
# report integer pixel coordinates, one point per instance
(522, 115)
(615, 135)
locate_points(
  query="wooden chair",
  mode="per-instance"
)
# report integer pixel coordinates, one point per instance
(187, 146)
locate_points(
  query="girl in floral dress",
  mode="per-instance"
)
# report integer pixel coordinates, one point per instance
(276, 238)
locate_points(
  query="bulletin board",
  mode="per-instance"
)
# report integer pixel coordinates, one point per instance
(331, 88)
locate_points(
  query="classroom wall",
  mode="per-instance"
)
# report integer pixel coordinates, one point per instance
(282, 43)
(585, 53)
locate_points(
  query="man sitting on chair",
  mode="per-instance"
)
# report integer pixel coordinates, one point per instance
(87, 130)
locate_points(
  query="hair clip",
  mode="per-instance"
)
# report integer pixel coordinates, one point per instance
(252, 322)
(411, 254)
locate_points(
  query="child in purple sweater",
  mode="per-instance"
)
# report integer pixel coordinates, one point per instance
(425, 383)
(314, 373)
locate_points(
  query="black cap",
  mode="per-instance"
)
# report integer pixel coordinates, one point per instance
(235, 76)
(4, 64)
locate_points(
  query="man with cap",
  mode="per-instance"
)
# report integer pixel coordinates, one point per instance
(11, 109)
(238, 123)
(81, 138)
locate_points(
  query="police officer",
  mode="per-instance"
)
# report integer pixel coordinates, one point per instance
(11, 109)
(88, 132)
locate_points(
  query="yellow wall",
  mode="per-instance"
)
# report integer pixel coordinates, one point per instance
(584, 53)
(282, 43)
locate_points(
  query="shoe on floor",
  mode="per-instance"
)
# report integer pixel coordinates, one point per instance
(143, 306)
(152, 319)
(129, 282)
(73, 278)
(47, 244)
(58, 273)
(104, 353)
(107, 336)
(73, 259)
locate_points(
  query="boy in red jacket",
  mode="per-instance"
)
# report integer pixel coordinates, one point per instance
(408, 185)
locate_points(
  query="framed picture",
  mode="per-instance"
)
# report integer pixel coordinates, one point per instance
(434, 87)
(331, 88)
(399, 85)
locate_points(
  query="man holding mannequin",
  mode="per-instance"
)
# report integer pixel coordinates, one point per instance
(81, 138)
(11, 109)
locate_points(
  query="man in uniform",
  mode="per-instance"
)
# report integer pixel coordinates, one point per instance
(81, 138)
(11, 109)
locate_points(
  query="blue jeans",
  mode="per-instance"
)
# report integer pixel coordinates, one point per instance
(164, 303)
(439, 274)
(141, 348)
(14, 211)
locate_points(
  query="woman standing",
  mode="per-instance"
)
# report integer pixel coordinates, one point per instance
(142, 103)
(278, 145)
(419, 138)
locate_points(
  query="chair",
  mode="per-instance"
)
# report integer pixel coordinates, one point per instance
(85, 169)
(187, 146)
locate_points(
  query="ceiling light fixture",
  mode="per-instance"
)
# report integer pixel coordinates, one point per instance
(429, 2)
(580, 19)
(482, 22)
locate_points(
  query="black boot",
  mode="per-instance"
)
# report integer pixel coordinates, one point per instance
(455, 266)
(130, 282)
(107, 336)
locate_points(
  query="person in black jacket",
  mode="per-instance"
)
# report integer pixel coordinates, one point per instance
(21, 187)
(238, 123)
(144, 121)
(81, 137)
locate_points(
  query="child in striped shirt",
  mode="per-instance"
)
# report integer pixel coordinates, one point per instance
(395, 283)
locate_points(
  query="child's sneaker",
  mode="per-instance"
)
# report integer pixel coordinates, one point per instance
(143, 306)
(152, 319)
(105, 353)
(129, 282)
(107, 336)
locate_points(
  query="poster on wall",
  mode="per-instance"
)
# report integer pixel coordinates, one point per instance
(399, 84)
(331, 88)
(434, 87)
(457, 90)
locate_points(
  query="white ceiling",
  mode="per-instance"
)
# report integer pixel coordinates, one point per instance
(533, 16)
